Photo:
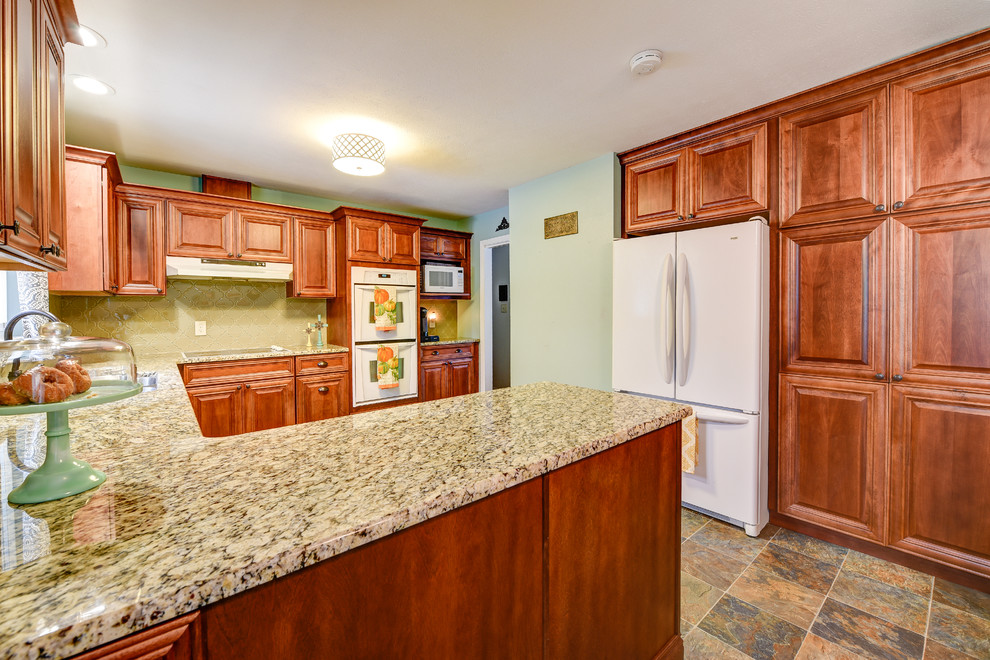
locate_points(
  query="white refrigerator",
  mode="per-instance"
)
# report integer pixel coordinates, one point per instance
(689, 324)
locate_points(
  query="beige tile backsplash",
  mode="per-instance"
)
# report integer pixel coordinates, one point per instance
(446, 317)
(238, 314)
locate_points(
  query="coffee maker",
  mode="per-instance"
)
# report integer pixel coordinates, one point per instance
(424, 327)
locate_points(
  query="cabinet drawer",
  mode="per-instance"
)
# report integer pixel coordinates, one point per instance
(446, 352)
(317, 364)
(235, 371)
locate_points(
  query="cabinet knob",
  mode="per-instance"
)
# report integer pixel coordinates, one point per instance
(49, 249)
(898, 377)
(230, 254)
(879, 208)
(238, 254)
(879, 376)
(690, 215)
(159, 289)
(436, 352)
(321, 363)
(238, 387)
(680, 217)
(323, 390)
(247, 387)
(16, 228)
(898, 205)
(113, 287)
(458, 350)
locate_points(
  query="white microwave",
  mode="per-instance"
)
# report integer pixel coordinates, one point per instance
(442, 279)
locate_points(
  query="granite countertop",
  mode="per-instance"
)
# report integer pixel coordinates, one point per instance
(193, 357)
(456, 340)
(183, 521)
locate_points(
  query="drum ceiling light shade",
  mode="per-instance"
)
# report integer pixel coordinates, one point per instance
(358, 154)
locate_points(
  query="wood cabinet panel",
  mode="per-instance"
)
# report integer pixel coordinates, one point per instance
(612, 547)
(313, 268)
(443, 247)
(942, 301)
(834, 299)
(263, 236)
(178, 639)
(467, 584)
(833, 160)
(941, 135)
(832, 443)
(403, 244)
(728, 174)
(200, 229)
(939, 471)
(431, 381)
(219, 409)
(269, 404)
(140, 244)
(53, 142)
(366, 240)
(462, 378)
(655, 193)
(235, 371)
(322, 396)
(447, 370)
(314, 365)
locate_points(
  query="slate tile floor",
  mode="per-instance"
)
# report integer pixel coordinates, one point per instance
(785, 595)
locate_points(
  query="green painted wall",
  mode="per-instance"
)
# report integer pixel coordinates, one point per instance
(146, 177)
(562, 287)
(483, 227)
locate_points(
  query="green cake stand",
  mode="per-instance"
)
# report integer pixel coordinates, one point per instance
(62, 474)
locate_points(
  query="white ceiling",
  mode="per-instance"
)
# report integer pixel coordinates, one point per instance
(472, 97)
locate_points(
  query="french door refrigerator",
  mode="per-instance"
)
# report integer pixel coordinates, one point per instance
(689, 324)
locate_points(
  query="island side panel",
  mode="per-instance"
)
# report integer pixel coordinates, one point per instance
(466, 584)
(613, 552)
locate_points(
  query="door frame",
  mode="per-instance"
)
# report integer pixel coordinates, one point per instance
(484, 295)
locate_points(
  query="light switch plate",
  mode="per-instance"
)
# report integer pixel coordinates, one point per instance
(505, 308)
(200, 328)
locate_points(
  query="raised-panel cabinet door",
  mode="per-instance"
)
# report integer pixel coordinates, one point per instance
(834, 299)
(178, 639)
(53, 243)
(199, 229)
(833, 160)
(728, 174)
(322, 396)
(939, 475)
(313, 266)
(429, 245)
(403, 244)
(431, 381)
(655, 192)
(140, 245)
(269, 404)
(451, 247)
(264, 236)
(219, 409)
(461, 378)
(941, 302)
(366, 240)
(941, 136)
(25, 118)
(832, 454)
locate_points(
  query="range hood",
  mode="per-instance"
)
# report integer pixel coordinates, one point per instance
(191, 268)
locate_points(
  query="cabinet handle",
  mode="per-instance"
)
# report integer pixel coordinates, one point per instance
(690, 215)
(50, 249)
(323, 390)
(458, 350)
(113, 287)
(436, 352)
(321, 363)
(898, 377)
(680, 217)
(238, 387)
(247, 387)
(238, 254)
(879, 376)
(879, 208)
(159, 289)
(16, 228)
(230, 254)
(898, 205)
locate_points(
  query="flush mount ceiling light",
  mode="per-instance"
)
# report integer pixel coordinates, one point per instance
(91, 38)
(91, 85)
(358, 154)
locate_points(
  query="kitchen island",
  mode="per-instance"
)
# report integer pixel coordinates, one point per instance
(268, 525)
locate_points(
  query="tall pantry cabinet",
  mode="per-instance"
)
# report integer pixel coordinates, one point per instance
(884, 387)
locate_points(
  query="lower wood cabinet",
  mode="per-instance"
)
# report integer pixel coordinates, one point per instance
(178, 639)
(322, 397)
(447, 370)
(244, 407)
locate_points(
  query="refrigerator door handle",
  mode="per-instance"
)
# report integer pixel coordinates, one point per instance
(685, 313)
(723, 417)
(668, 318)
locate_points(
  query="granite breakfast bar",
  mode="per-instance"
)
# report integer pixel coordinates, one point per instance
(465, 527)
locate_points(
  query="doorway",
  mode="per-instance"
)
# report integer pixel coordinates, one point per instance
(495, 323)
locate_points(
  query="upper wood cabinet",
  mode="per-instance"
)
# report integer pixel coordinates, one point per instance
(939, 458)
(833, 299)
(720, 177)
(220, 230)
(833, 160)
(451, 247)
(91, 224)
(380, 237)
(314, 264)
(32, 210)
(139, 250)
(941, 301)
(941, 136)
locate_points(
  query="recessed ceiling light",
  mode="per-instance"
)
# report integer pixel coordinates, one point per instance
(358, 154)
(91, 38)
(91, 85)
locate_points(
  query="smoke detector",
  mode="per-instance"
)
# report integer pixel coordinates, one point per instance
(646, 61)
